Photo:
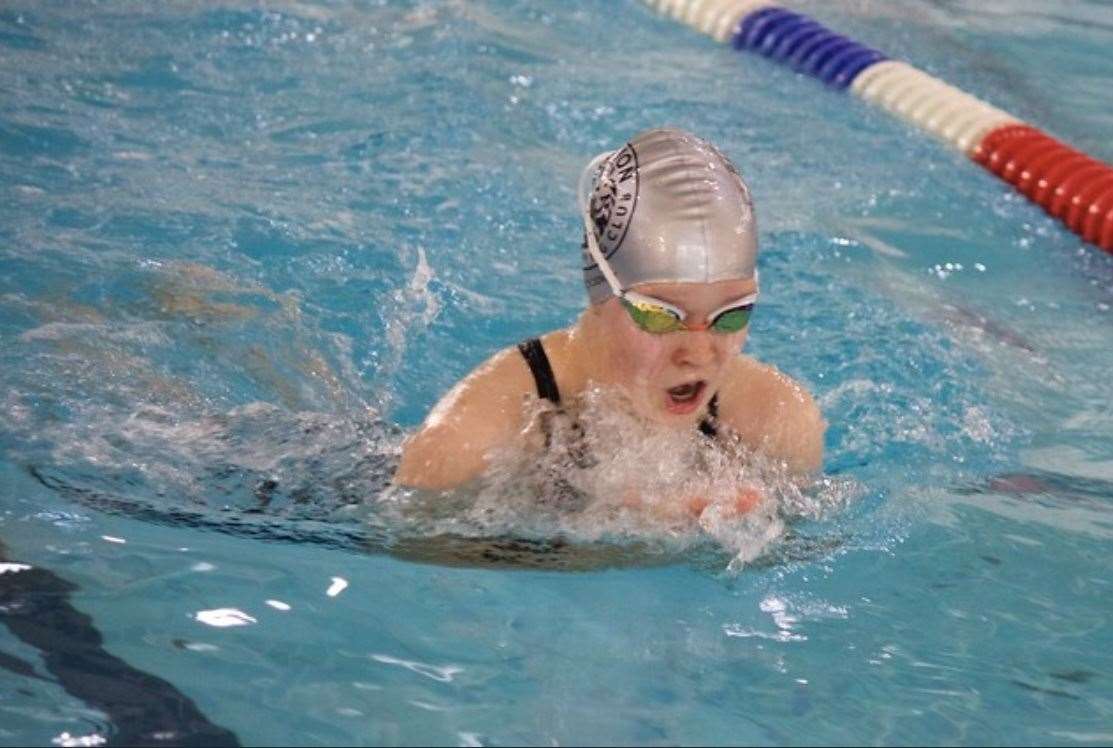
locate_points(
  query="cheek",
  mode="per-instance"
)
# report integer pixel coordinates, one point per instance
(731, 346)
(639, 355)
(736, 342)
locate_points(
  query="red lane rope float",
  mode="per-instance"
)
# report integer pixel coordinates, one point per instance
(1071, 186)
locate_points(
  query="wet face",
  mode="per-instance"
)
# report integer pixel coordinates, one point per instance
(671, 377)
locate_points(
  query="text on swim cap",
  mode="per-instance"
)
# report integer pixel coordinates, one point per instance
(614, 199)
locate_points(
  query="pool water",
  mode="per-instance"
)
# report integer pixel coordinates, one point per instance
(244, 249)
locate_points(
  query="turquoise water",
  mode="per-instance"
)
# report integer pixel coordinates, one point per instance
(242, 252)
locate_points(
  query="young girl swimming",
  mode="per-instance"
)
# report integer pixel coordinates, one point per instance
(670, 257)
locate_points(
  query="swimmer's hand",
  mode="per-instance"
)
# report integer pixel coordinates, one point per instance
(744, 502)
(693, 507)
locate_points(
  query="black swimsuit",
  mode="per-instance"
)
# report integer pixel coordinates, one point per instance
(534, 353)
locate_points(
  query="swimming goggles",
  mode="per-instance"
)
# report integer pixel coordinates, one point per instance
(660, 317)
(654, 315)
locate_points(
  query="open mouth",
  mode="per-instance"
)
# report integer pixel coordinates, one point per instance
(683, 398)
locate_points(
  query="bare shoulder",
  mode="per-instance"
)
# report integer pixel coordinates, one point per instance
(774, 413)
(482, 412)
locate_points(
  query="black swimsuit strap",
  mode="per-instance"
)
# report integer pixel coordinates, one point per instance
(534, 354)
(707, 426)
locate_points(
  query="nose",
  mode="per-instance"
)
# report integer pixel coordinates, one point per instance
(695, 349)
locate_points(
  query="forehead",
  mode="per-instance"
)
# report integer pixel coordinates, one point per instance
(698, 295)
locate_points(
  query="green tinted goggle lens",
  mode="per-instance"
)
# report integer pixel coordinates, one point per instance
(658, 320)
(733, 320)
(654, 319)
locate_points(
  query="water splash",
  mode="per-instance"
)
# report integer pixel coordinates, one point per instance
(666, 491)
(412, 308)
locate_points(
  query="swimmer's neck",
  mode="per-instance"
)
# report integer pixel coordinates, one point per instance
(581, 353)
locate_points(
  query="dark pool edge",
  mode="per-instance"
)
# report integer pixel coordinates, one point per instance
(142, 709)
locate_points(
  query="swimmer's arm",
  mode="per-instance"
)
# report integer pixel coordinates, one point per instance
(481, 414)
(774, 414)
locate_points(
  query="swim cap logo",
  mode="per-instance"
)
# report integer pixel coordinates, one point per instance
(614, 198)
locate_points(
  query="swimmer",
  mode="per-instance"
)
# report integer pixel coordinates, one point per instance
(670, 265)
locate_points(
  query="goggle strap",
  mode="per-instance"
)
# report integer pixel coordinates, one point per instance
(584, 199)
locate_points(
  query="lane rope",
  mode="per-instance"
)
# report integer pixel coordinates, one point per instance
(1068, 184)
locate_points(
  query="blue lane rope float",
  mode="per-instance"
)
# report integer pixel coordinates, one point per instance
(805, 44)
(1066, 183)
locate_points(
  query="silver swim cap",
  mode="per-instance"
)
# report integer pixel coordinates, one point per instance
(666, 207)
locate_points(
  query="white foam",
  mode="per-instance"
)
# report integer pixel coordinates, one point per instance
(73, 741)
(224, 617)
(443, 674)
